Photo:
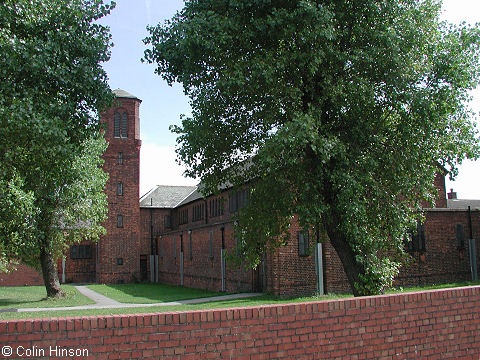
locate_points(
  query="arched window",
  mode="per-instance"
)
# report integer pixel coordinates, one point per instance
(116, 125)
(124, 125)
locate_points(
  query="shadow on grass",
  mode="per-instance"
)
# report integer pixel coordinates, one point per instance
(35, 296)
(150, 293)
(17, 302)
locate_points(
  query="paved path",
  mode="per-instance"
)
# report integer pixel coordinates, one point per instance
(95, 296)
(103, 302)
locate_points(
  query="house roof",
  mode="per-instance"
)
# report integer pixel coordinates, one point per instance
(119, 93)
(166, 196)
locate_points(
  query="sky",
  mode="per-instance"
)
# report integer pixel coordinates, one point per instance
(162, 105)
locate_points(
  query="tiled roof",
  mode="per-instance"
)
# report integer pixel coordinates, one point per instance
(166, 196)
(195, 195)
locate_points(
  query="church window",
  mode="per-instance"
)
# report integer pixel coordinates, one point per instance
(124, 125)
(183, 218)
(198, 212)
(81, 252)
(119, 221)
(116, 125)
(303, 245)
(120, 189)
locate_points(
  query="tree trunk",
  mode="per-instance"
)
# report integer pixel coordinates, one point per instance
(351, 266)
(49, 269)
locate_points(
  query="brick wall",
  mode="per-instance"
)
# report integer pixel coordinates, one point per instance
(24, 275)
(425, 325)
(442, 261)
(79, 270)
(335, 279)
(288, 273)
(152, 224)
(202, 268)
(152, 221)
(76, 270)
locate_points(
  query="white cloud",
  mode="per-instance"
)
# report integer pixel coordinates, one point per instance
(158, 167)
(458, 11)
(467, 182)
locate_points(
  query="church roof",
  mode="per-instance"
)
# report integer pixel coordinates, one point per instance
(194, 195)
(463, 204)
(119, 93)
(166, 196)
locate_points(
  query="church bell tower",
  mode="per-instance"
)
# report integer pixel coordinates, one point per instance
(117, 252)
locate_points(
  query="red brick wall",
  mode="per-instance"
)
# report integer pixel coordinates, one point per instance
(288, 273)
(78, 270)
(335, 279)
(24, 275)
(157, 219)
(426, 325)
(201, 270)
(121, 243)
(442, 261)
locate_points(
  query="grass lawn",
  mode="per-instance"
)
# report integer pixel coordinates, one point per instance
(15, 297)
(150, 293)
(255, 301)
(170, 293)
(433, 287)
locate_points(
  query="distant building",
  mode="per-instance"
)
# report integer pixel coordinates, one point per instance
(174, 235)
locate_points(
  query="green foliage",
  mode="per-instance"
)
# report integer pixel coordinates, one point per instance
(51, 89)
(349, 108)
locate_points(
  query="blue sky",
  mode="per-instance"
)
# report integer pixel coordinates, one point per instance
(162, 105)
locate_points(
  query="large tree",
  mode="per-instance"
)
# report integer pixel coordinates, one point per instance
(348, 108)
(52, 87)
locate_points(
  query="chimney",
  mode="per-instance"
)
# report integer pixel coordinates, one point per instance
(452, 195)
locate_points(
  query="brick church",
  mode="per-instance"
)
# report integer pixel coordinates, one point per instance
(174, 235)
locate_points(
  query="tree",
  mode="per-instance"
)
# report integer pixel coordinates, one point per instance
(51, 90)
(347, 107)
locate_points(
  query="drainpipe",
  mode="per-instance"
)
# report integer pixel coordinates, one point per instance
(181, 259)
(64, 264)
(153, 250)
(319, 265)
(222, 258)
(472, 248)
(152, 244)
